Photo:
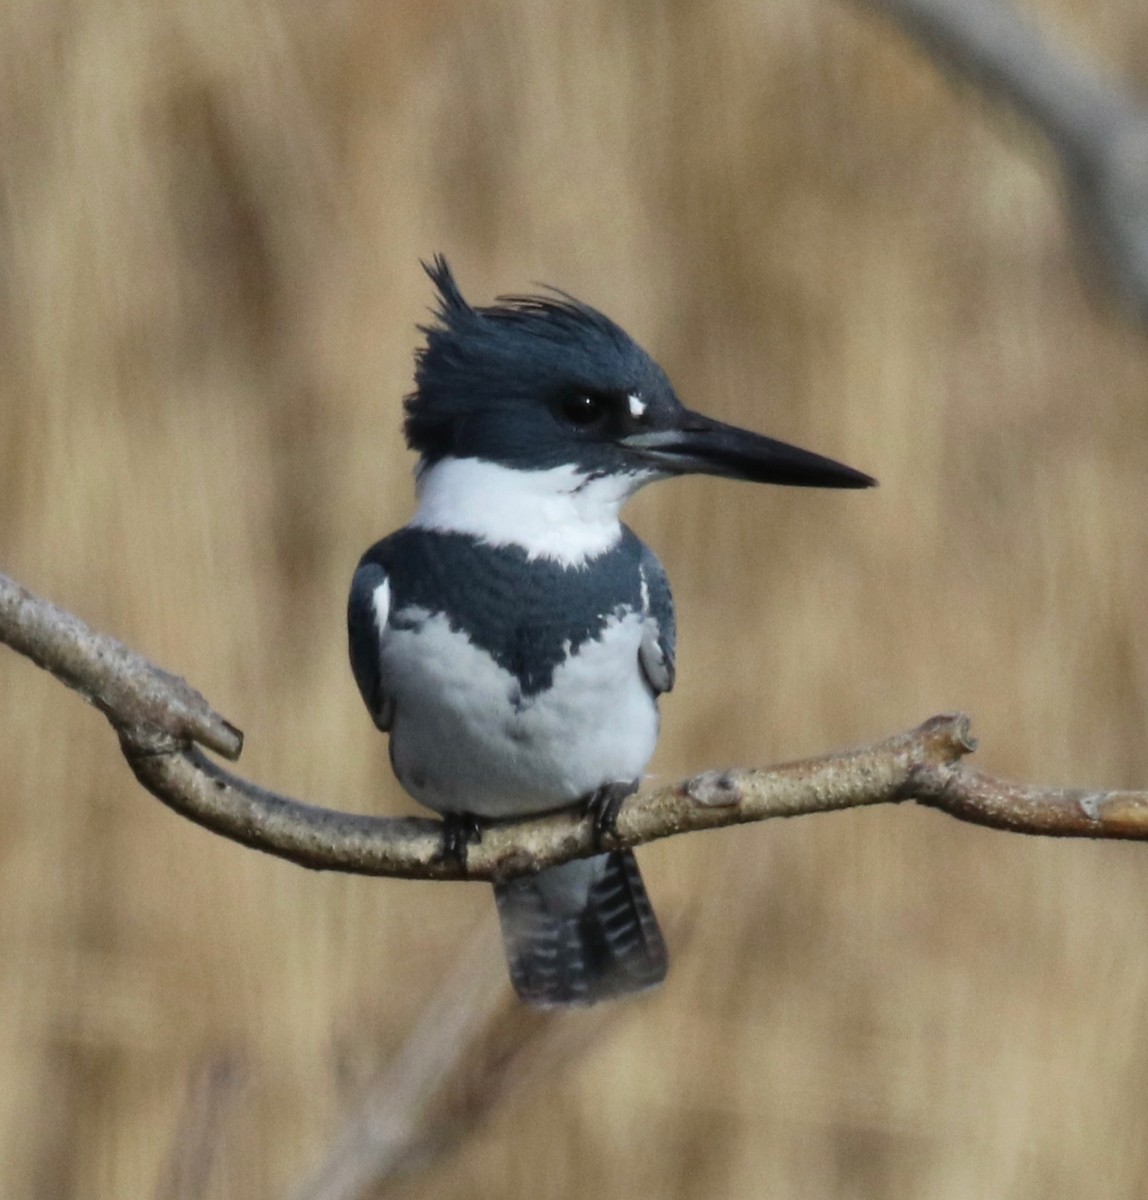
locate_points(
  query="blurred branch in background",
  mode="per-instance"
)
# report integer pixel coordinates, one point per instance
(473, 1045)
(158, 717)
(1098, 128)
(202, 1130)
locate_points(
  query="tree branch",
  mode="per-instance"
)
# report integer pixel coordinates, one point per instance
(1097, 127)
(158, 717)
(130, 691)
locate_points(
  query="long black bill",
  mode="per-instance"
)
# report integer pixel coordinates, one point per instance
(698, 444)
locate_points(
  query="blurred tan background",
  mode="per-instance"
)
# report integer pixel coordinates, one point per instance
(211, 216)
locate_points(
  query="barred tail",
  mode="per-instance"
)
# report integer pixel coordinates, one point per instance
(581, 932)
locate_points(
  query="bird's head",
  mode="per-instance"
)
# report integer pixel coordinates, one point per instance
(534, 383)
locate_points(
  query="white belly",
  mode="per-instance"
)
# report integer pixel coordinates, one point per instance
(461, 743)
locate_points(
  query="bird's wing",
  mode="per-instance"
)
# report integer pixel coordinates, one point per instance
(367, 611)
(656, 653)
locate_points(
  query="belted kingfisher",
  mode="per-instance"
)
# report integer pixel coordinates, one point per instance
(513, 639)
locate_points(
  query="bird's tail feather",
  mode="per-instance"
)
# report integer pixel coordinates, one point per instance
(581, 932)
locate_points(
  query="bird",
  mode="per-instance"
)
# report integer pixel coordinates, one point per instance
(514, 637)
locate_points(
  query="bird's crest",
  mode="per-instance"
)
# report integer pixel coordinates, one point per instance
(520, 351)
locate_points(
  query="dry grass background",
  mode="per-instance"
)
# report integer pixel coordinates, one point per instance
(210, 225)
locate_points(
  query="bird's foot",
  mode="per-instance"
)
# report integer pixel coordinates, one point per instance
(460, 831)
(604, 805)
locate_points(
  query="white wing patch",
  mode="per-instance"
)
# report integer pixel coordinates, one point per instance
(381, 603)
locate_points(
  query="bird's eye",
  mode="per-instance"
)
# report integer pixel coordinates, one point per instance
(584, 409)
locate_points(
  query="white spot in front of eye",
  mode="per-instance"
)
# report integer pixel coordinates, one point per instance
(637, 405)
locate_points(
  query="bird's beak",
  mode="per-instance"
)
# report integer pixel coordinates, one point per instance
(698, 444)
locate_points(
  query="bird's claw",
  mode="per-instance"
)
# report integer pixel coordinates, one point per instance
(460, 831)
(603, 807)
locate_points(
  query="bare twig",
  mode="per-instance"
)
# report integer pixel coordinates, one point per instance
(923, 764)
(130, 691)
(1098, 128)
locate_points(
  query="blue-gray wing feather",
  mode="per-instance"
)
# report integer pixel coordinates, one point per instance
(659, 638)
(366, 626)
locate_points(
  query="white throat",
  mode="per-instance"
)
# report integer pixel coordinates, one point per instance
(561, 514)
